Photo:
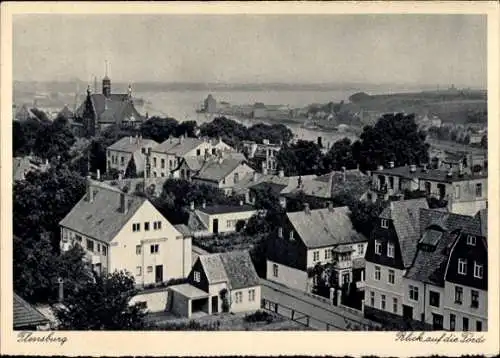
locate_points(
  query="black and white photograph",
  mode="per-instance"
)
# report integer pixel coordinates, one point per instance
(250, 172)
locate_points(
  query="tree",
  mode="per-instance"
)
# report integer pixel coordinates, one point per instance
(24, 134)
(131, 170)
(301, 158)
(103, 304)
(159, 129)
(41, 115)
(54, 141)
(275, 133)
(231, 132)
(365, 214)
(186, 128)
(340, 155)
(395, 137)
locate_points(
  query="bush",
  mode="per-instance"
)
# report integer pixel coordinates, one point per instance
(259, 316)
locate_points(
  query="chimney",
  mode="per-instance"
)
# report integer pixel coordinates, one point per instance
(130, 139)
(46, 162)
(281, 173)
(124, 202)
(330, 207)
(306, 208)
(264, 169)
(344, 178)
(181, 139)
(241, 202)
(391, 164)
(203, 204)
(255, 176)
(191, 205)
(413, 168)
(380, 167)
(120, 176)
(369, 173)
(98, 174)
(88, 183)
(60, 282)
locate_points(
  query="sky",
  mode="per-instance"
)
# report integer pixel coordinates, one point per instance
(399, 49)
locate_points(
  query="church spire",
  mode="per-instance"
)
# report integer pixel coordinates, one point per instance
(106, 83)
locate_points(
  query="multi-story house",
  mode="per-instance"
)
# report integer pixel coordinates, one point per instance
(121, 152)
(223, 172)
(390, 252)
(315, 237)
(444, 286)
(126, 232)
(265, 154)
(21, 166)
(465, 192)
(218, 282)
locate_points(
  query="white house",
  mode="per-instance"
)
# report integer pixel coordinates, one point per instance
(126, 232)
(218, 282)
(121, 152)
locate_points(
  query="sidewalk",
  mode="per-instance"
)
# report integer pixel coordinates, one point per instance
(301, 296)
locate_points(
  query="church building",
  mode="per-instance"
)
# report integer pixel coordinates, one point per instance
(101, 110)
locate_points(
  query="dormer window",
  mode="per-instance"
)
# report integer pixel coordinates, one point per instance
(462, 266)
(280, 232)
(384, 224)
(378, 247)
(471, 240)
(390, 249)
(291, 236)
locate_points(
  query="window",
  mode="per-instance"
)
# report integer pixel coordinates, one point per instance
(136, 227)
(280, 232)
(395, 305)
(236, 178)
(479, 190)
(104, 250)
(457, 191)
(157, 225)
(391, 277)
(198, 152)
(453, 319)
(384, 223)
(138, 271)
(478, 270)
(328, 254)
(155, 248)
(99, 248)
(413, 293)
(162, 162)
(138, 249)
(345, 278)
(238, 297)
(213, 151)
(251, 295)
(378, 247)
(150, 269)
(231, 223)
(372, 299)
(316, 256)
(90, 245)
(377, 273)
(170, 164)
(391, 182)
(197, 276)
(459, 292)
(291, 235)
(471, 240)
(78, 238)
(361, 249)
(154, 162)
(479, 326)
(462, 266)
(434, 298)
(275, 270)
(390, 249)
(465, 324)
(382, 302)
(122, 160)
(474, 299)
(143, 150)
(146, 226)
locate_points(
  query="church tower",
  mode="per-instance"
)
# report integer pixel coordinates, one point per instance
(106, 84)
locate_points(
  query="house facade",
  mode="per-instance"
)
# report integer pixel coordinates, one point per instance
(126, 232)
(217, 283)
(315, 237)
(121, 152)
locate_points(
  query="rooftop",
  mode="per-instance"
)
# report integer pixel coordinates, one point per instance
(234, 267)
(190, 291)
(215, 170)
(224, 209)
(178, 146)
(325, 227)
(132, 144)
(25, 315)
(430, 174)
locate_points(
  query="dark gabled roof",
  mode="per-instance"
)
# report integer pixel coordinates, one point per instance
(275, 188)
(325, 227)
(101, 218)
(25, 315)
(223, 209)
(430, 174)
(178, 146)
(112, 109)
(449, 221)
(234, 267)
(405, 218)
